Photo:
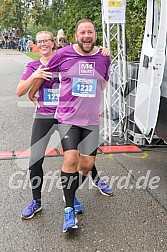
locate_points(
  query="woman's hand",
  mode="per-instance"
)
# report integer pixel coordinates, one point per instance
(105, 51)
(42, 73)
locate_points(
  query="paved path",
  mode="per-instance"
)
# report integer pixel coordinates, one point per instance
(133, 220)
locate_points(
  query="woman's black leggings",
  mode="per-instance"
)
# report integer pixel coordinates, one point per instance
(43, 127)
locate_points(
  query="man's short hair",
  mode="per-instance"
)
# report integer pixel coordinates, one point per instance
(84, 21)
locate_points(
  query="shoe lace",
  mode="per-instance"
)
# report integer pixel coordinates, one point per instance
(104, 186)
(32, 204)
(68, 215)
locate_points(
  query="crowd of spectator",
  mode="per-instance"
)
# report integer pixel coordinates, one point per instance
(9, 39)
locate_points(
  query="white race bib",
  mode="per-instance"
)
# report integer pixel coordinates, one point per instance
(51, 96)
(84, 87)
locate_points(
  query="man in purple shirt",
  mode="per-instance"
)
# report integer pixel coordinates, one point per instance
(84, 75)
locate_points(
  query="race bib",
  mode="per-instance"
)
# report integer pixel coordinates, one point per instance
(51, 96)
(84, 87)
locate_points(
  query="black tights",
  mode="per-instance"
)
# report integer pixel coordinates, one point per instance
(43, 128)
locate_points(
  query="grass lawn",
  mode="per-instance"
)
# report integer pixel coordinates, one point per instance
(32, 55)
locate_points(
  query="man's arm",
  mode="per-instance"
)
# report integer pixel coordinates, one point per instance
(47, 75)
(25, 85)
(33, 90)
(44, 75)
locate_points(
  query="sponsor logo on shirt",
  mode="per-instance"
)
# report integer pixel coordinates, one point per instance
(86, 68)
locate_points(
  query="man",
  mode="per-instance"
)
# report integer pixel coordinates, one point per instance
(84, 75)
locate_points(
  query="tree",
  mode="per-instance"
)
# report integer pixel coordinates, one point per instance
(70, 11)
(135, 24)
(30, 16)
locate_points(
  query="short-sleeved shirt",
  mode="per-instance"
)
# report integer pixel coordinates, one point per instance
(82, 82)
(48, 92)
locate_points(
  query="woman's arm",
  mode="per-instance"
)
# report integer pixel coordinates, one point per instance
(24, 86)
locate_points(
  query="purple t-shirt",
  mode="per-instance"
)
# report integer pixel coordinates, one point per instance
(48, 92)
(83, 79)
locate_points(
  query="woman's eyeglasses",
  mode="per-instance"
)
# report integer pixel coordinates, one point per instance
(45, 41)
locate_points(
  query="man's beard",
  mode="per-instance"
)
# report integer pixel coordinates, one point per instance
(81, 45)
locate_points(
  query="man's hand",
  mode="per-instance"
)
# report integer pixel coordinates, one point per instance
(34, 99)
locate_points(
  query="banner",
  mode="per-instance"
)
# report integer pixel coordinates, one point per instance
(114, 11)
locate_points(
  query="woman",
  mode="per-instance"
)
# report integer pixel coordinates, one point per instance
(44, 123)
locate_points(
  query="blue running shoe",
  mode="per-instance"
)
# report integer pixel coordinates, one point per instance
(77, 206)
(69, 219)
(31, 209)
(103, 187)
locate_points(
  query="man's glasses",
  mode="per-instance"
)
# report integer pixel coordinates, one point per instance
(45, 41)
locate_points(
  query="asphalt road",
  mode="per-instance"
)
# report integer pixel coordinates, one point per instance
(133, 220)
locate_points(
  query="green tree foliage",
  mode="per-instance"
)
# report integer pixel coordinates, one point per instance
(135, 24)
(67, 13)
(30, 16)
